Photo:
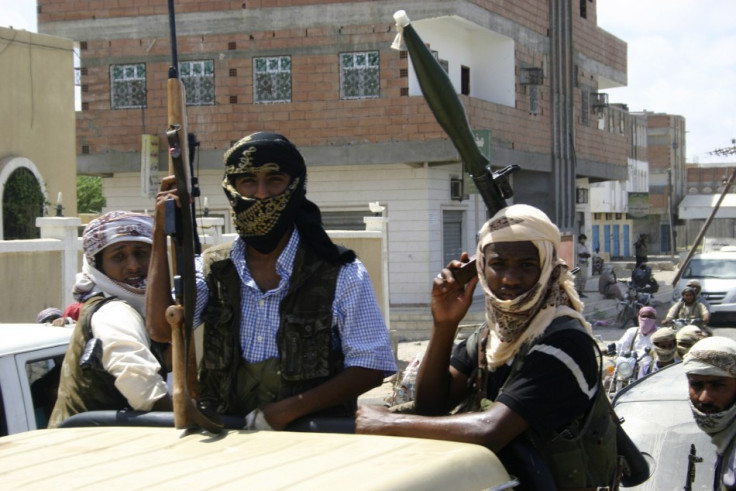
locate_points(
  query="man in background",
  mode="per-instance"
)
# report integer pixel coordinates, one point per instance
(581, 278)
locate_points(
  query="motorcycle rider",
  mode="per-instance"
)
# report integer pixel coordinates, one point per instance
(643, 279)
(665, 348)
(687, 308)
(637, 340)
(686, 337)
(695, 285)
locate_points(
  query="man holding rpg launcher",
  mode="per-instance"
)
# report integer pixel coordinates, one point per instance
(541, 380)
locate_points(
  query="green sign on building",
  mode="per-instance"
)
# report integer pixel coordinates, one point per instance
(483, 140)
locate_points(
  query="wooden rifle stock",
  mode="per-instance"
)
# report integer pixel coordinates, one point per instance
(180, 316)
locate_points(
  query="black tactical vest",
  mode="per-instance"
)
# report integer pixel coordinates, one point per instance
(308, 343)
(584, 453)
(84, 390)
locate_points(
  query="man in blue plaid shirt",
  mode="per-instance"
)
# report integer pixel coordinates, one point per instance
(292, 326)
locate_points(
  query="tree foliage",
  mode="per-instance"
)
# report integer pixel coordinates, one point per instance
(23, 201)
(89, 194)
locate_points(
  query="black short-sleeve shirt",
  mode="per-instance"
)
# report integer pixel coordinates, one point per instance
(556, 384)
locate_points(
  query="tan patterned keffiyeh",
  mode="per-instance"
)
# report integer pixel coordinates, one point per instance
(524, 318)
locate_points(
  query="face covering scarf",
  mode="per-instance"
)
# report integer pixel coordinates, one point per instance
(514, 322)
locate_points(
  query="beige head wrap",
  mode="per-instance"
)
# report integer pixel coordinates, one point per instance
(663, 334)
(714, 356)
(513, 322)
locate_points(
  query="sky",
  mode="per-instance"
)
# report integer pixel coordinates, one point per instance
(681, 60)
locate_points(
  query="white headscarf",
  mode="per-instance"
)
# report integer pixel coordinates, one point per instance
(524, 318)
(109, 229)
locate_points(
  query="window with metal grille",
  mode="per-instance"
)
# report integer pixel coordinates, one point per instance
(359, 75)
(452, 235)
(128, 86)
(585, 106)
(198, 78)
(272, 79)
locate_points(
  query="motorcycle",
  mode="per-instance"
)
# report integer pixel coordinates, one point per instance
(625, 369)
(634, 299)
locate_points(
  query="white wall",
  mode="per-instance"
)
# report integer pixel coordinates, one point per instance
(414, 198)
(489, 55)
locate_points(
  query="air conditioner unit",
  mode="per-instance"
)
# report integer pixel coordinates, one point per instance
(531, 76)
(456, 190)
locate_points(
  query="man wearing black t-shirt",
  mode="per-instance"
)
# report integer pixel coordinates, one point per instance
(541, 366)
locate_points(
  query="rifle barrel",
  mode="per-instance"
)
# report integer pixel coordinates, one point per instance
(172, 37)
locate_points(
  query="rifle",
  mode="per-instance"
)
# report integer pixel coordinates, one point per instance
(692, 459)
(181, 226)
(447, 108)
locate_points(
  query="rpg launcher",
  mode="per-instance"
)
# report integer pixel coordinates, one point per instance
(493, 187)
(181, 226)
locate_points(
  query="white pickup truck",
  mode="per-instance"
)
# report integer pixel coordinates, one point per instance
(30, 360)
(162, 458)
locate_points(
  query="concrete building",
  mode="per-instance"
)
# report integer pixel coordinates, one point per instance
(531, 75)
(667, 180)
(37, 125)
(620, 208)
(705, 185)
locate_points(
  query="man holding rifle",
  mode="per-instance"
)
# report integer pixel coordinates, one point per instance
(292, 326)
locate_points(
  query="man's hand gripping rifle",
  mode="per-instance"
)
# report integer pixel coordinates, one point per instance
(181, 226)
(442, 99)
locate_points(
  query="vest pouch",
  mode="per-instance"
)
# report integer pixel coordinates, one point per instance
(217, 354)
(306, 341)
(91, 358)
(578, 456)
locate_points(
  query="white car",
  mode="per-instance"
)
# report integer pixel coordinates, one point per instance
(716, 272)
(30, 360)
(657, 417)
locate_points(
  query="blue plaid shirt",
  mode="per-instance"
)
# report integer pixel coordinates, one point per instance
(362, 330)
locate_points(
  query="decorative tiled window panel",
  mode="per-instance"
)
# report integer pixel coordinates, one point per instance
(198, 78)
(359, 75)
(128, 86)
(272, 79)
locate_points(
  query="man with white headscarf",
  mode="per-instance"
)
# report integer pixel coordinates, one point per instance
(122, 371)
(665, 348)
(542, 373)
(710, 366)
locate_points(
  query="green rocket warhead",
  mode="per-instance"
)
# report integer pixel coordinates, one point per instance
(442, 99)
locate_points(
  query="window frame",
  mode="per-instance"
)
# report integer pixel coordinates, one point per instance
(201, 78)
(114, 103)
(257, 97)
(361, 70)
